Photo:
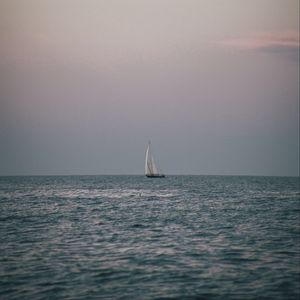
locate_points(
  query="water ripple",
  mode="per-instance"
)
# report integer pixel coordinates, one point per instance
(123, 237)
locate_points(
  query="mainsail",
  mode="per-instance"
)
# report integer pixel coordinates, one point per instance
(150, 167)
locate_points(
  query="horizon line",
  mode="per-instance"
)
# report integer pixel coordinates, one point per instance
(65, 175)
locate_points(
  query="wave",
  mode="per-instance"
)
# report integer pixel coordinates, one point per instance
(92, 194)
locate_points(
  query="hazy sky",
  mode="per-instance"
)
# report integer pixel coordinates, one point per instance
(84, 84)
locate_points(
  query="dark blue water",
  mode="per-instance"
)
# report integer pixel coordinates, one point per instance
(131, 237)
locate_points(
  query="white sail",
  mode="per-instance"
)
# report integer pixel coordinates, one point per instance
(150, 167)
(154, 169)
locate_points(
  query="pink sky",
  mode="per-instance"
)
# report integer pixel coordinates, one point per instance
(85, 84)
(262, 40)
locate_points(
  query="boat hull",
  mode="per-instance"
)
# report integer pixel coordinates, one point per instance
(156, 176)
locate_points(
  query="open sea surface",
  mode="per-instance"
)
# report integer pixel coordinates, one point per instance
(132, 237)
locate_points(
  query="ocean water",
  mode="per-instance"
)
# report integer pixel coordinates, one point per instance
(132, 237)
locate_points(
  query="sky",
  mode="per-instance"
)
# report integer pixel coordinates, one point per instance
(84, 84)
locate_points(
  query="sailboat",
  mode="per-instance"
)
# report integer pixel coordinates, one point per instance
(150, 167)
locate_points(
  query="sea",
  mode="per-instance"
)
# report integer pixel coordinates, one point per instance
(132, 237)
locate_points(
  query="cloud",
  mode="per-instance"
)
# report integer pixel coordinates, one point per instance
(285, 40)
